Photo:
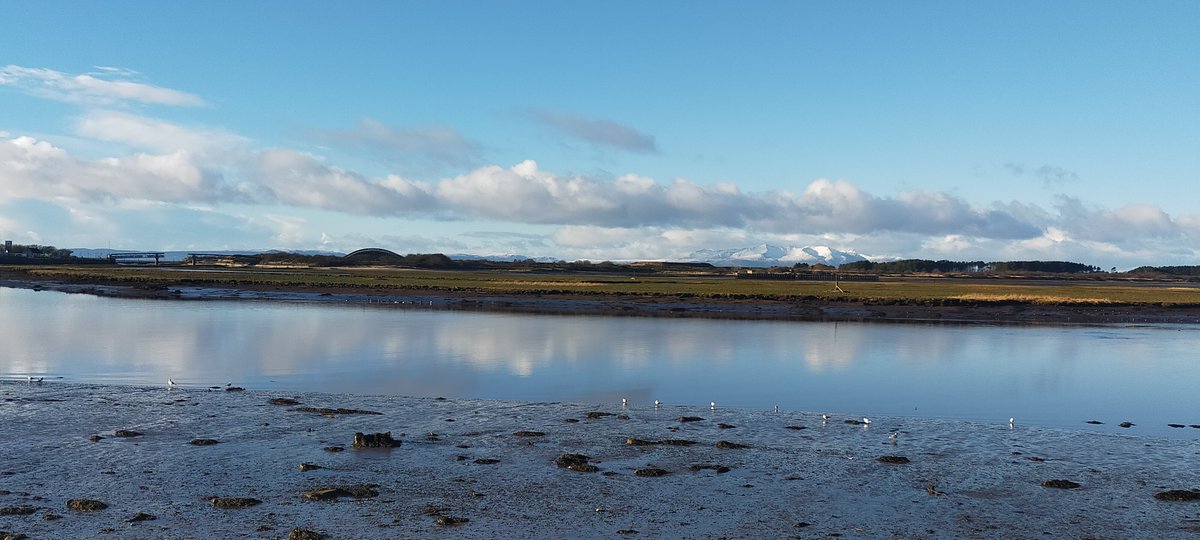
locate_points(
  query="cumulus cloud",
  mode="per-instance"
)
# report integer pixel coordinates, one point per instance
(598, 132)
(436, 146)
(147, 133)
(108, 87)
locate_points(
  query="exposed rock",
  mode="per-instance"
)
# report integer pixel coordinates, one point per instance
(283, 401)
(329, 493)
(328, 411)
(1175, 425)
(690, 419)
(126, 433)
(650, 472)
(234, 389)
(51, 516)
(1178, 495)
(854, 422)
(17, 510)
(141, 517)
(571, 420)
(575, 462)
(305, 467)
(529, 434)
(1095, 422)
(450, 521)
(627, 532)
(228, 503)
(203, 442)
(5, 535)
(731, 445)
(1126, 424)
(721, 469)
(1035, 459)
(631, 441)
(305, 534)
(334, 448)
(723, 425)
(794, 428)
(899, 460)
(1060, 484)
(1197, 426)
(95, 438)
(86, 505)
(597, 414)
(375, 440)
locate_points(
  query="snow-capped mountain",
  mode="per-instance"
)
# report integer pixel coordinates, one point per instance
(764, 255)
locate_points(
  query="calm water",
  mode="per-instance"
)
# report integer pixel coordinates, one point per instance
(1052, 376)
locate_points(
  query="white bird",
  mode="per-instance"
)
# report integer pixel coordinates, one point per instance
(40, 379)
(30, 378)
(656, 403)
(624, 402)
(170, 382)
(712, 405)
(1011, 421)
(777, 408)
(824, 417)
(893, 435)
(866, 421)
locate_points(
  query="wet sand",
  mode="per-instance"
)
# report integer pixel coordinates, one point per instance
(494, 464)
(656, 306)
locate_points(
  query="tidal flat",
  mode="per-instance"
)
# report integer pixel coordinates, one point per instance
(278, 464)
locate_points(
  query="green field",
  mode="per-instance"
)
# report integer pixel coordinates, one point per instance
(888, 290)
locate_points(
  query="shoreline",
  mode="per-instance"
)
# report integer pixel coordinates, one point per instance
(777, 474)
(1015, 313)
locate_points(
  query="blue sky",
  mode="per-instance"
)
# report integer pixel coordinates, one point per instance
(607, 130)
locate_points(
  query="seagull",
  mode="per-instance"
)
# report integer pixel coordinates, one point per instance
(777, 408)
(40, 379)
(1011, 421)
(624, 402)
(866, 421)
(712, 405)
(893, 436)
(170, 382)
(824, 417)
(656, 404)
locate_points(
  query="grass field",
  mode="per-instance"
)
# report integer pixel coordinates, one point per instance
(896, 290)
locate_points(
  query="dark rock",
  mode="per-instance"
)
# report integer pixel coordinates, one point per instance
(375, 440)
(330, 493)
(627, 532)
(234, 389)
(449, 521)
(899, 460)
(229, 503)
(86, 505)
(690, 419)
(575, 462)
(854, 422)
(1175, 425)
(486, 461)
(283, 401)
(731, 445)
(334, 448)
(51, 516)
(639, 442)
(721, 469)
(794, 428)
(95, 438)
(328, 411)
(1197, 426)
(571, 420)
(597, 414)
(1060, 484)
(126, 433)
(529, 434)
(1095, 422)
(1178, 495)
(5, 535)
(1035, 459)
(610, 473)
(305, 467)
(142, 517)
(305, 534)
(723, 425)
(17, 510)
(1126, 424)
(439, 398)
(203, 442)
(650, 472)
(802, 525)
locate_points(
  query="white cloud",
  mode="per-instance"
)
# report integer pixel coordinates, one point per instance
(107, 88)
(142, 132)
(598, 132)
(428, 148)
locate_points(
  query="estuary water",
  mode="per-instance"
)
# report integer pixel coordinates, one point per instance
(1056, 376)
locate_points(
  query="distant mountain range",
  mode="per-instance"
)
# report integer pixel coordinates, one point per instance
(765, 255)
(760, 256)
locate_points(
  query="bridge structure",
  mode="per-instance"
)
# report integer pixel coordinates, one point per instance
(134, 257)
(197, 258)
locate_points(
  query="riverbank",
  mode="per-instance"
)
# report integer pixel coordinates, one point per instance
(201, 462)
(804, 308)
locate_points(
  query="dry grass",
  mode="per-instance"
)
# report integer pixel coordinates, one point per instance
(1033, 299)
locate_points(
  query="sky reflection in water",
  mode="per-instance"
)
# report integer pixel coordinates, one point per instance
(1057, 376)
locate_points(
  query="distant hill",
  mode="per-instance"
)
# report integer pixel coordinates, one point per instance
(176, 256)
(765, 255)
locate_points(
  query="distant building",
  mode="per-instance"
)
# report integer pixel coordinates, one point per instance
(7, 246)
